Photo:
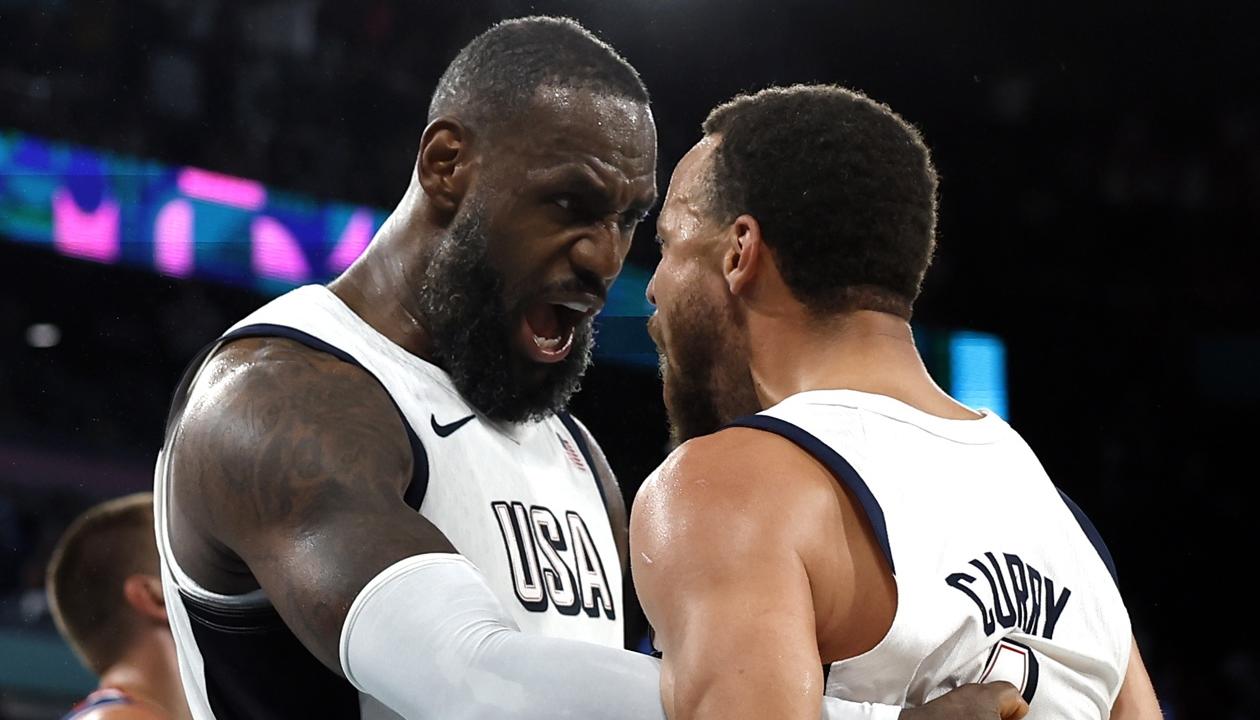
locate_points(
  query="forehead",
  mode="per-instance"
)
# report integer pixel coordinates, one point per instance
(687, 197)
(613, 135)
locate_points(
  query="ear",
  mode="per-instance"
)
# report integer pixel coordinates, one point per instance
(144, 595)
(744, 254)
(443, 165)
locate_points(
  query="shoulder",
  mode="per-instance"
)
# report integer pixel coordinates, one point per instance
(733, 484)
(734, 466)
(252, 387)
(270, 416)
(276, 366)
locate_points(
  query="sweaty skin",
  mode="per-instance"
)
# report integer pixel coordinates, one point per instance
(288, 466)
(732, 514)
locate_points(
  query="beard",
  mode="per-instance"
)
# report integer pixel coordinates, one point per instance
(706, 375)
(468, 315)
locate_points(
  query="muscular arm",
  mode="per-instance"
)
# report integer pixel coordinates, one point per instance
(296, 463)
(1136, 700)
(714, 541)
(722, 541)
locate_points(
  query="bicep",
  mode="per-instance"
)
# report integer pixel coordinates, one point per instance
(301, 464)
(742, 644)
(734, 617)
(1136, 700)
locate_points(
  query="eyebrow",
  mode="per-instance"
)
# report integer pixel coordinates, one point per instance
(581, 175)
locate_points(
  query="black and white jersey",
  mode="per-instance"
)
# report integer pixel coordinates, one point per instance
(521, 501)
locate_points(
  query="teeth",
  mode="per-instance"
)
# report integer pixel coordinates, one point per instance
(575, 306)
(549, 344)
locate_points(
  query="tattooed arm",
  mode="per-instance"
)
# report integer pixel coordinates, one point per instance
(290, 466)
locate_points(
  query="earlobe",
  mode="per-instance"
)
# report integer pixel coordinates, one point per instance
(443, 155)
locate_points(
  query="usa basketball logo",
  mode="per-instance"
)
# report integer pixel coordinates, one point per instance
(570, 452)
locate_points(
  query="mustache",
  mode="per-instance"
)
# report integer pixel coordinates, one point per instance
(576, 285)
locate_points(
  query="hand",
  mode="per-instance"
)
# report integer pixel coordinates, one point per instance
(991, 701)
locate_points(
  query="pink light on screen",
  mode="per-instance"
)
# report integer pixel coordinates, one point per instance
(173, 248)
(92, 235)
(354, 239)
(275, 253)
(222, 189)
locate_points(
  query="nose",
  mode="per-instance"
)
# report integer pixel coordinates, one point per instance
(650, 292)
(600, 252)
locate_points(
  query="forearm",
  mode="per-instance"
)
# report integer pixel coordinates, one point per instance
(428, 638)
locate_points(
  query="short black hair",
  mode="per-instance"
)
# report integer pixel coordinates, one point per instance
(84, 580)
(497, 74)
(843, 188)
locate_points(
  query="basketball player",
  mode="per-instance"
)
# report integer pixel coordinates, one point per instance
(865, 535)
(106, 597)
(328, 455)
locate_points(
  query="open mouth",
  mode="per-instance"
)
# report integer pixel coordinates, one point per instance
(548, 326)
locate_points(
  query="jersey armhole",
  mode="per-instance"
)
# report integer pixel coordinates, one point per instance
(839, 467)
(1092, 533)
(419, 483)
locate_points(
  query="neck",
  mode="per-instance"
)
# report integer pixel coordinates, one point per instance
(867, 351)
(380, 286)
(149, 671)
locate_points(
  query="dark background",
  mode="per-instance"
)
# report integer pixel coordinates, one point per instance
(1100, 168)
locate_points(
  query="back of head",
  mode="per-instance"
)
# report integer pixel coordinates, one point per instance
(499, 72)
(91, 562)
(843, 188)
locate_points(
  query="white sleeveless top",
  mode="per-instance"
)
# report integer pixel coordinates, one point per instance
(999, 576)
(521, 501)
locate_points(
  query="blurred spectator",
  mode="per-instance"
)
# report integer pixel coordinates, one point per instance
(105, 590)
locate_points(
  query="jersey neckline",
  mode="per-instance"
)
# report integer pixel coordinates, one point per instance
(988, 428)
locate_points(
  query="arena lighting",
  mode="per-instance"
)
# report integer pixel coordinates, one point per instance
(977, 371)
(43, 335)
(186, 222)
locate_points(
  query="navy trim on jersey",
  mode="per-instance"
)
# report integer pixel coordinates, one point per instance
(579, 437)
(1092, 533)
(100, 698)
(256, 669)
(844, 472)
(419, 485)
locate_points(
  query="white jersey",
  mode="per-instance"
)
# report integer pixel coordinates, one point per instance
(998, 575)
(521, 501)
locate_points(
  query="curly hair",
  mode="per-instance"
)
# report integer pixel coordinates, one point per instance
(843, 188)
(497, 74)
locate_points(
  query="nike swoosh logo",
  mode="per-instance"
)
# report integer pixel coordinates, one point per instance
(444, 430)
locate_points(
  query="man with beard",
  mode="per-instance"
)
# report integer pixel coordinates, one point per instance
(864, 535)
(328, 456)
